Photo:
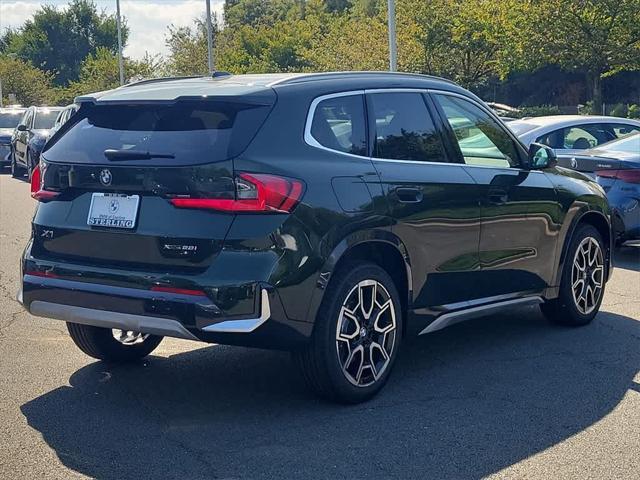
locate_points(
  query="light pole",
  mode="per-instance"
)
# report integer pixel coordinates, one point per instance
(393, 49)
(209, 46)
(120, 62)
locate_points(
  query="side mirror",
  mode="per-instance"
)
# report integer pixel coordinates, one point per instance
(541, 156)
(22, 128)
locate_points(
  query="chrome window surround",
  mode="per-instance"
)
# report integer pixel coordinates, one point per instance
(312, 142)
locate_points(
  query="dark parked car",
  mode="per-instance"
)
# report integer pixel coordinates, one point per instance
(29, 138)
(616, 166)
(9, 119)
(326, 214)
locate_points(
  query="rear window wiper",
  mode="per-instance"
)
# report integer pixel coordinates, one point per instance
(118, 155)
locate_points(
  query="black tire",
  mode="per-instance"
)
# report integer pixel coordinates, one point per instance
(564, 309)
(100, 343)
(319, 361)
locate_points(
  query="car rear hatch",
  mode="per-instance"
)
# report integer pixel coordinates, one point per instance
(121, 182)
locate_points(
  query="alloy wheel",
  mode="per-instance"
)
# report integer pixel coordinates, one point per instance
(366, 333)
(129, 337)
(587, 275)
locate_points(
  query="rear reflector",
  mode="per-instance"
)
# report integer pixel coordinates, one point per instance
(37, 190)
(180, 291)
(41, 273)
(255, 192)
(631, 175)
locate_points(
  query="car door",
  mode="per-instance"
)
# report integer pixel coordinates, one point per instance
(519, 208)
(22, 137)
(432, 199)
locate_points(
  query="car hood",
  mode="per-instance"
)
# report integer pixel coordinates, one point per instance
(5, 135)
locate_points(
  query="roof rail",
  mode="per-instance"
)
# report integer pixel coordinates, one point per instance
(309, 77)
(159, 79)
(220, 73)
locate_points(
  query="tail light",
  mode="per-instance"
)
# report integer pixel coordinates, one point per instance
(181, 291)
(37, 187)
(631, 175)
(255, 192)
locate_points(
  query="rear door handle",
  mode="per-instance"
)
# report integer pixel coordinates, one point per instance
(498, 196)
(409, 194)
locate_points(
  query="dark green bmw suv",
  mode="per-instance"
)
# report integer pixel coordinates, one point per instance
(326, 214)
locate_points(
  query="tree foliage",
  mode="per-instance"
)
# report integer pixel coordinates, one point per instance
(57, 40)
(31, 85)
(596, 37)
(537, 51)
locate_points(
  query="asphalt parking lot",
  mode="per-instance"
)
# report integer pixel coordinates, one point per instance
(505, 397)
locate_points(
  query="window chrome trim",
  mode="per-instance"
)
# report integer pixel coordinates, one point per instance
(310, 139)
(312, 142)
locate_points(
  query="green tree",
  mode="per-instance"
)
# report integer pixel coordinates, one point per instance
(30, 85)
(468, 42)
(59, 40)
(188, 48)
(596, 37)
(100, 71)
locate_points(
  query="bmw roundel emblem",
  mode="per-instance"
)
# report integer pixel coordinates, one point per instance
(105, 177)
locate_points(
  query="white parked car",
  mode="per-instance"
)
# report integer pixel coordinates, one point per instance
(570, 134)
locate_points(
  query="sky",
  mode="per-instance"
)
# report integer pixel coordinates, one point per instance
(147, 19)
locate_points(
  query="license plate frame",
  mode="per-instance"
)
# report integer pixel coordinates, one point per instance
(113, 210)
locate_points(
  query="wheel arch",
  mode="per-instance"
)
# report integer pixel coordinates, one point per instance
(382, 248)
(601, 222)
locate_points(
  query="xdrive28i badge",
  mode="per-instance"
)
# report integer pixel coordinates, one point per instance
(105, 177)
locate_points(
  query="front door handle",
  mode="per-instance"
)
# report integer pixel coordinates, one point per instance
(498, 196)
(409, 194)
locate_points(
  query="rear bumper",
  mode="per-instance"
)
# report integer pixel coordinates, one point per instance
(166, 314)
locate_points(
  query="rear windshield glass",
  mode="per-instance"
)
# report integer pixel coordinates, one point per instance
(45, 119)
(630, 144)
(9, 120)
(521, 127)
(184, 133)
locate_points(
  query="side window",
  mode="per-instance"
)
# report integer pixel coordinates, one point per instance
(582, 137)
(481, 139)
(339, 124)
(404, 129)
(622, 130)
(26, 119)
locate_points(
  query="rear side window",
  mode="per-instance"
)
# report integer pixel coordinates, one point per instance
(339, 124)
(45, 119)
(190, 132)
(404, 128)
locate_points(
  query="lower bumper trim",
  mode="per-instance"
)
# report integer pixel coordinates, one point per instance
(245, 325)
(105, 319)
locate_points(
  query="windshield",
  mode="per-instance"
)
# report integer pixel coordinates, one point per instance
(519, 127)
(10, 120)
(185, 133)
(628, 144)
(45, 119)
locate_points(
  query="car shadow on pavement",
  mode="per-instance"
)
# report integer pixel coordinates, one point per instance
(462, 403)
(627, 258)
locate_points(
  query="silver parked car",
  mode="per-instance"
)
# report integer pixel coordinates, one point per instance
(571, 134)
